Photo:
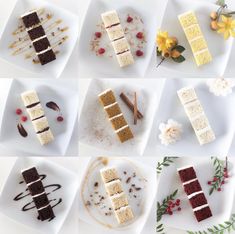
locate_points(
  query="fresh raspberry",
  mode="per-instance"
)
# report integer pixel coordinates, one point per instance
(101, 51)
(60, 119)
(209, 182)
(18, 111)
(24, 118)
(219, 189)
(170, 213)
(98, 34)
(139, 53)
(179, 209)
(170, 203)
(140, 35)
(215, 179)
(129, 19)
(223, 182)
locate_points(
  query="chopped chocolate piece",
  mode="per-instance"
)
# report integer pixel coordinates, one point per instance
(30, 19)
(41, 44)
(47, 57)
(36, 32)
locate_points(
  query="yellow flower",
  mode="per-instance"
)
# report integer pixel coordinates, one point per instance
(164, 42)
(227, 27)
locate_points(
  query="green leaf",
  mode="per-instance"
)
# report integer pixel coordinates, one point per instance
(220, 2)
(179, 48)
(179, 59)
(158, 52)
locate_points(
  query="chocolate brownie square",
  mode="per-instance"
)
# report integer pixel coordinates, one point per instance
(187, 174)
(192, 187)
(36, 32)
(46, 57)
(41, 201)
(46, 213)
(198, 200)
(31, 19)
(41, 44)
(36, 188)
(202, 214)
(30, 175)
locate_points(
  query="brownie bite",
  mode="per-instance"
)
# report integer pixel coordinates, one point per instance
(46, 57)
(46, 213)
(37, 32)
(36, 188)
(30, 175)
(41, 200)
(30, 19)
(41, 44)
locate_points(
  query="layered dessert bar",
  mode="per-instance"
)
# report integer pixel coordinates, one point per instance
(194, 193)
(196, 115)
(117, 37)
(195, 38)
(118, 198)
(38, 37)
(38, 193)
(116, 117)
(36, 113)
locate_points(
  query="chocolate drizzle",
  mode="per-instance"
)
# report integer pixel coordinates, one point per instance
(22, 130)
(52, 105)
(32, 105)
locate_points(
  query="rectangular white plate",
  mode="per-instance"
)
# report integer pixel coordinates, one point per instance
(55, 68)
(65, 97)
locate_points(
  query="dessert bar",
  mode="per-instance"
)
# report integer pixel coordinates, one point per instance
(195, 38)
(194, 193)
(38, 37)
(38, 193)
(37, 116)
(113, 111)
(117, 37)
(196, 115)
(118, 198)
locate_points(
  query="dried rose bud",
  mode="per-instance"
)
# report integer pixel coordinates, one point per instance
(214, 15)
(214, 25)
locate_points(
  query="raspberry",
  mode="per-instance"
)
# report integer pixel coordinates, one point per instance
(223, 182)
(98, 34)
(129, 19)
(170, 213)
(101, 51)
(209, 182)
(139, 53)
(170, 203)
(219, 189)
(18, 111)
(215, 179)
(140, 35)
(24, 118)
(179, 209)
(60, 119)
(178, 201)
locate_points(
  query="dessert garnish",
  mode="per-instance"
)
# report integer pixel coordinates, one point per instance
(115, 115)
(168, 47)
(36, 189)
(129, 19)
(18, 111)
(24, 118)
(222, 21)
(60, 119)
(221, 86)
(22, 130)
(130, 105)
(220, 176)
(170, 132)
(193, 190)
(52, 105)
(196, 115)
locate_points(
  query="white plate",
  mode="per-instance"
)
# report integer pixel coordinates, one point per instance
(65, 97)
(106, 67)
(219, 111)
(141, 205)
(220, 202)
(219, 48)
(55, 175)
(56, 67)
(94, 127)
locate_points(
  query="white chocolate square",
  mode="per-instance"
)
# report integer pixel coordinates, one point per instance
(124, 214)
(206, 137)
(113, 187)
(119, 200)
(125, 59)
(187, 94)
(109, 174)
(35, 112)
(193, 109)
(115, 32)
(200, 123)
(110, 18)
(121, 45)
(40, 124)
(29, 97)
(45, 137)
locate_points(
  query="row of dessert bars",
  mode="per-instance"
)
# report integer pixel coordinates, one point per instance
(115, 115)
(196, 115)
(195, 38)
(194, 192)
(38, 193)
(117, 37)
(38, 37)
(36, 113)
(122, 210)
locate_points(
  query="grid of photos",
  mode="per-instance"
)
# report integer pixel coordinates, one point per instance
(117, 117)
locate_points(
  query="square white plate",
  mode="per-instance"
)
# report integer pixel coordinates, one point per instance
(219, 111)
(220, 202)
(96, 130)
(141, 204)
(55, 174)
(105, 67)
(56, 67)
(65, 97)
(219, 48)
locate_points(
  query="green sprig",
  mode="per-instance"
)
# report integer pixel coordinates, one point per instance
(165, 163)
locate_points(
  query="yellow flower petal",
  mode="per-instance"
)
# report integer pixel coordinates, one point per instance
(226, 35)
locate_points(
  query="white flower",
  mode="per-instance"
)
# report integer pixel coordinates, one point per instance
(220, 86)
(170, 132)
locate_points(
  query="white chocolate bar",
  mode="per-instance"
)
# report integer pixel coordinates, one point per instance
(110, 18)
(29, 98)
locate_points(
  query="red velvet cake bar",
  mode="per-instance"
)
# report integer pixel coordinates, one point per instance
(194, 192)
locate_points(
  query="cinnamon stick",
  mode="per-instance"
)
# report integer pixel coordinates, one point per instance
(130, 105)
(135, 109)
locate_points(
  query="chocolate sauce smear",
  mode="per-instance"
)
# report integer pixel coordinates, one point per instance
(22, 130)
(31, 205)
(53, 106)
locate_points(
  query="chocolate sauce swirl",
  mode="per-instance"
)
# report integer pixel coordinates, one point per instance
(53, 106)
(22, 130)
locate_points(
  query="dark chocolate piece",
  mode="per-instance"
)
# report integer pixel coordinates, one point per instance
(36, 32)
(46, 213)
(31, 19)
(46, 57)
(41, 44)
(36, 188)
(30, 175)
(41, 201)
